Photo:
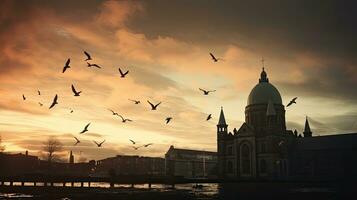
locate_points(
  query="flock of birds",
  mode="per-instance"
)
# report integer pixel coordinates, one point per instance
(123, 74)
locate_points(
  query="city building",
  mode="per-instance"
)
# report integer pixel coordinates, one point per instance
(263, 148)
(130, 165)
(190, 163)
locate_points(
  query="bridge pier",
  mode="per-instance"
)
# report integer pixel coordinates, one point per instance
(22, 183)
(34, 183)
(72, 184)
(82, 184)
(111, 184)
(11, 183)
(88, 183)
(132, 185)
(150, 185)
(64, 184)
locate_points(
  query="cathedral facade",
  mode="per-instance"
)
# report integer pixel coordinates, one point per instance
(263, 149)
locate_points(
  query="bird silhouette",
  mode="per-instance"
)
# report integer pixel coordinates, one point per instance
(291, 102)
(136, 148)
(122, 75)
(93, 65)
(153, 107)
(85, 129)
(77, 140)
(66, 66)
(206, 92)
(38, 92)
(146, 145)
(114, 113)
(168, 119)
(209, 117)
(214, 58)
(39, 103)
(88, 56)
(23, 97)
(99, 144)
(125, 119)
(54, 102)
(71, 111)
(135, 101)
(76, 94)
(132, 141)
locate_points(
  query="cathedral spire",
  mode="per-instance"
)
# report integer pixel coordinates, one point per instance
(307, 130)
(263, 76)
(222, 119)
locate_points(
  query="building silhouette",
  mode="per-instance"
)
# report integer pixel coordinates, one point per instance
(262, 148)
(190, 163)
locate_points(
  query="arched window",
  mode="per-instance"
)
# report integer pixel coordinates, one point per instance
(263, 166)
(229, 166)
(245, 159)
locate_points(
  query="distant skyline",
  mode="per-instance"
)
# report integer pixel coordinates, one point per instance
(309, 50)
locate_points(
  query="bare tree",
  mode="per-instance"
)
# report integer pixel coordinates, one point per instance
(51, 146)
(2, 147)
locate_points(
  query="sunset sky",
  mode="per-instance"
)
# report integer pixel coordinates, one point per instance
(309, 50)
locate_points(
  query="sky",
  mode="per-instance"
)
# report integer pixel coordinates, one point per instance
(309, 49)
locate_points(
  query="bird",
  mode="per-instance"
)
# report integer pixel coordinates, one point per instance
(93, 65)
(85, 129)
(214, 58)
(153, 107)
(122, 75)
(77, 141)
(23, 97)
(291, 102)
(66, 66)
(39, 103)
(38, 92)
(88, 56)
(76, 94)
(168, 119)
(71, 111)
(132, 141)
(114, 113)
(54, 102)
(99, 144)
(135, 101)
(209, 117)
(136, 148)
(206, 92)
(146, 145)
(125, 119)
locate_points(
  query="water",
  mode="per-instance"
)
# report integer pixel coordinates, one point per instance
(209, 191)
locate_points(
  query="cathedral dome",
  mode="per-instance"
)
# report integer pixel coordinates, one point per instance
(264, 92)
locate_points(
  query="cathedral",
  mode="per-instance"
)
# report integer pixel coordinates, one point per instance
(263, 149)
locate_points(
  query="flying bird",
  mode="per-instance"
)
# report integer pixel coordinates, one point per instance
(99, 144)
(122, 75)
(132, 141)
(88, 56)
(76, 94)
(209, 117)
(114, 113)
(153, 107)
(206, 92)
(54, 102)
(125, 119)
(291, 102)
(281, 143)
(93, 65)
(39, 103)
(135, 101)
(214, 58)
(85, 129)
(77, 141)
(168, 119)
(146, 145)
(71, 111)
(66, 66)
(136, 148)
(23, 97)
(38, 92)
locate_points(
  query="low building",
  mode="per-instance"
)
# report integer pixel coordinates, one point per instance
(130, 165)
(17, 164)
(190, 163)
